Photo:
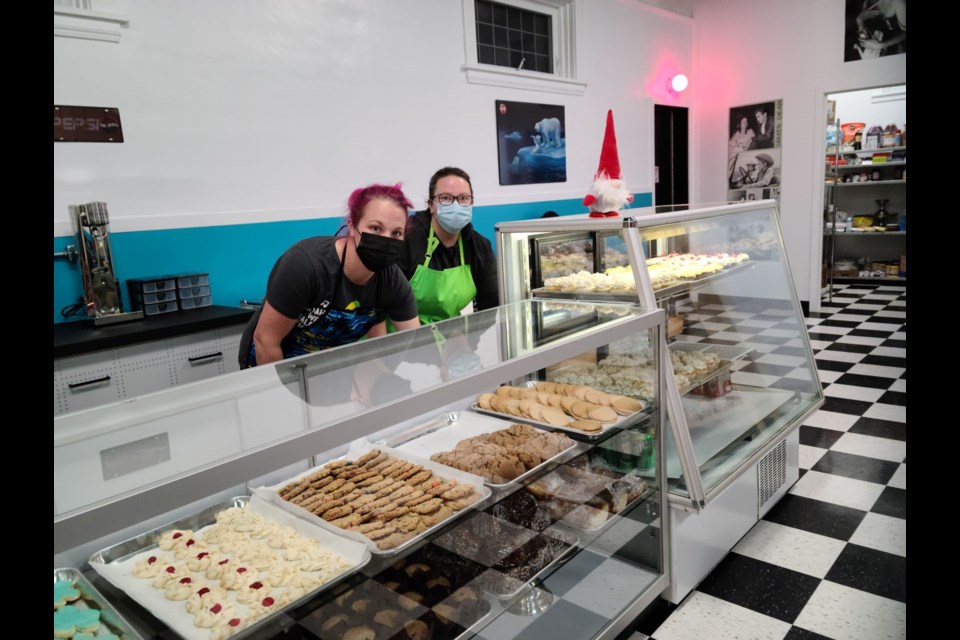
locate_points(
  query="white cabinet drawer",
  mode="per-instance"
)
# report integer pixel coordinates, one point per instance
(86, 381)
(196, 357)
(110, 375)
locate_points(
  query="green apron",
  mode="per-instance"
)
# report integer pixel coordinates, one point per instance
(441, 294)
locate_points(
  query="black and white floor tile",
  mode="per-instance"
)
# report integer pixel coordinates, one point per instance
(829, 560)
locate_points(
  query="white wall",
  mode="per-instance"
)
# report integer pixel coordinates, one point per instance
(239, 111)
(881, 106)
(750, 51)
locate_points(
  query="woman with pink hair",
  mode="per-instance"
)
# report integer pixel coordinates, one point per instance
(332, 290)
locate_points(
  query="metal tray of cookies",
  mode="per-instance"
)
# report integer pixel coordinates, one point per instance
(117, 562)
(361, 447)
(87, 597)
(621, 421)
(446, 431)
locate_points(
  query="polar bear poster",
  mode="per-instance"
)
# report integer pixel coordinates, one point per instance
(549, 130)
(531, 142)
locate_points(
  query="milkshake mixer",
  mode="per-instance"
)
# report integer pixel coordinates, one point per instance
(101, 293)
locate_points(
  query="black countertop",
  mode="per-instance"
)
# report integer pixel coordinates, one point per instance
(75, 338)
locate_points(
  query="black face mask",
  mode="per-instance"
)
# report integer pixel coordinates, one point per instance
(378, 252)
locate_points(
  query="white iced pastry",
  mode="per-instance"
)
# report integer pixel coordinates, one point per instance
(216, 569)
(202, 560)
(268, 604)
(169, 573)
(324, 561)
(187, 548)
(205, 596)
(151, 565)
(237, 577)
(180, 589)
(254, 591)
(228, 628)
(214, 614)
(174, 538)
(258, 555)
(282, 574)
(283, 538)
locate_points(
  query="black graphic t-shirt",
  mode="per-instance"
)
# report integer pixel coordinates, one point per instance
(303, 285)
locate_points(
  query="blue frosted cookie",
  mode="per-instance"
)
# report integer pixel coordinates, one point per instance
(64, 592)
(69, 619)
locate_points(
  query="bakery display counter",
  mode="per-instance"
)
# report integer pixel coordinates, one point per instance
(740, 375)
(367, 499)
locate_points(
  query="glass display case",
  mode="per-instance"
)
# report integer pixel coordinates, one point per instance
(740, 374)
(464, 488)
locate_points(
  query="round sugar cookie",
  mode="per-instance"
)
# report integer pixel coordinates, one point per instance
(625, 405)
(552, 415)
(591, 426)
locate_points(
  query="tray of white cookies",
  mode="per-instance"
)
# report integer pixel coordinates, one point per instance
(229, 570)
(578, 409)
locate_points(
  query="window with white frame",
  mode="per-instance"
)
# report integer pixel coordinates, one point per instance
(79, 19)
(527, 44)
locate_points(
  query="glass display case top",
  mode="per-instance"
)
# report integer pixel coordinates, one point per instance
(741, 370)
(184, 442)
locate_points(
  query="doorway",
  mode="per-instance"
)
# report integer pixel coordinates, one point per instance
(671, 155)
(864, 182)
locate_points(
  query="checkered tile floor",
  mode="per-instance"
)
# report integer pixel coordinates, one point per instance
(829, 560)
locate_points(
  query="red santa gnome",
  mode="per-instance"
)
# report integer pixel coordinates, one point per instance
(609, 194)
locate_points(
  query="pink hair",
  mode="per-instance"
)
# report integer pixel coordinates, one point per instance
(360, 197)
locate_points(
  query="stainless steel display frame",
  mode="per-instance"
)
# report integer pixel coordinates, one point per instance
(515, 284)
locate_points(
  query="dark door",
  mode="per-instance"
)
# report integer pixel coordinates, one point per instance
(670, 142)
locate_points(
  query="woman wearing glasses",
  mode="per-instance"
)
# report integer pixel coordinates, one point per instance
(448, 263)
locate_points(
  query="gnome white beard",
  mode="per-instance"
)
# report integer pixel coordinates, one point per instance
(611, 194)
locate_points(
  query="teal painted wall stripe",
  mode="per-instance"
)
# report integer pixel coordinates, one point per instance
(239, 257)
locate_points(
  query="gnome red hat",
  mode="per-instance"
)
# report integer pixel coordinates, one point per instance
(608, 194)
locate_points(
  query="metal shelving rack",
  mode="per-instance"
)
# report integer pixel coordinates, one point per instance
(832, 208)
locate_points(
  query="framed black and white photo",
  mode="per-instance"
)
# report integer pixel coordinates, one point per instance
(874, 29)
(532, 143)
(753, 151)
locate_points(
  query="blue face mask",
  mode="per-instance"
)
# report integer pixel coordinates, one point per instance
(454, 216)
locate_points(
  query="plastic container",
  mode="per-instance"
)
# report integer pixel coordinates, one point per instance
(193, 292)
(192, 280)
(152, 285)
(160, 307)
(193, 303)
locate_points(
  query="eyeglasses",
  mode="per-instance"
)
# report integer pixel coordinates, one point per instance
(445, 198)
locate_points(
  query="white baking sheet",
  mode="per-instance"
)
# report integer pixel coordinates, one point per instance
(174, 613)
(467, 425)
(357, 449)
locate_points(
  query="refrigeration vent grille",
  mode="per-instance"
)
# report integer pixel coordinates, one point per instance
(772, 472)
